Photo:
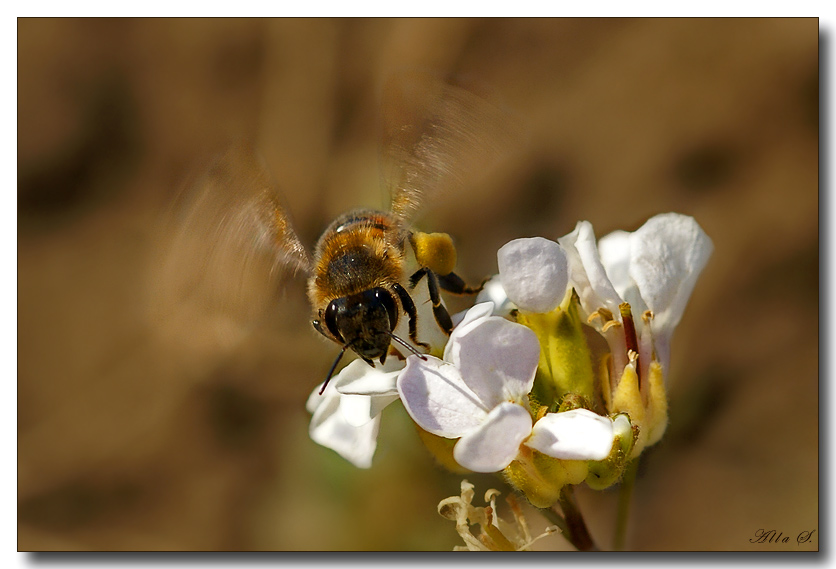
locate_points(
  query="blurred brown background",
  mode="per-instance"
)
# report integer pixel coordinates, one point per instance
(135, 435)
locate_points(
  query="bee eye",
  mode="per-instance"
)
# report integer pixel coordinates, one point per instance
(385, 298)
(331, 320)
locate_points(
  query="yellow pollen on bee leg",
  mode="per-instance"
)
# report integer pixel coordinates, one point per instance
(435, 251)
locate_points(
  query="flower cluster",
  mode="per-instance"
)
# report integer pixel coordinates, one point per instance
(518, 388)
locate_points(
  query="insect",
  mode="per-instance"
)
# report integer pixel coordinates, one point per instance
(357, 288)
(236, 229)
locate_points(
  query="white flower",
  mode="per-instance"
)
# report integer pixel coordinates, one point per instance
(653, 268)
(479, 394)
(346, 417)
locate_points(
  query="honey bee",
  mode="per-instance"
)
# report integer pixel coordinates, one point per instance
(357, 288)
(436, 137)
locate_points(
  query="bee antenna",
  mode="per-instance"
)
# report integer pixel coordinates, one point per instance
(333, 367)
(408, 347)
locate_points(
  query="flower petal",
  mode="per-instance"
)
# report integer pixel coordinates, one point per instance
(471, 318)
(588, 274)
(614, 250)
(360, 409)
(356, 409)
(315, 400)
(578, 434)
(359, 378)
(496, 442)
(436, 398)
(667, 254)
(330, 429)
(492, 291)
(621, 426)
(497, 359)
(534, 273)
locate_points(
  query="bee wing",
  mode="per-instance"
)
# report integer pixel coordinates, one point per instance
(438, 138)
(226, 246)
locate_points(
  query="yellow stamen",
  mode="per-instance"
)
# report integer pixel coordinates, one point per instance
(611, 324)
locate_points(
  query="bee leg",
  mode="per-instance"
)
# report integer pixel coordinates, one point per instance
(450, 282)
(409, 308)
(439, 311)
(416, 278)
(455, 284)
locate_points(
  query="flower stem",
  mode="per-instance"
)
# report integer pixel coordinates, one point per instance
(556, 519)
(576, 531)
(623, 512)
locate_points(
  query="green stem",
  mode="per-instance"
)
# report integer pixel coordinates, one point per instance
(576, 530)
(556, 519)
(623, 513)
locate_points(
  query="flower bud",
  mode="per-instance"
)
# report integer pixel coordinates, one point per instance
(605, 473)
(541, 477)
(647, 411)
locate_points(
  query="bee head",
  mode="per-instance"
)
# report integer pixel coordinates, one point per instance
(364, 322)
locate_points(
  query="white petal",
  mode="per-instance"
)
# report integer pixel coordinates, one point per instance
(379, 403)
(457, 317)
(471, 318)
(360, 409)
(356, 409)
(668, 253)
(497, 359)
(614, 249)
(579, 434)
(621, 426)
(588, 274)
(315, 400)
(330, 429)
(534, 273)
(492, 291)
(474, 314)
(436, 398)
(359, 378)
(496, 442)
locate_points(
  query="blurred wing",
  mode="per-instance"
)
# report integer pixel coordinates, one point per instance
(227, 245)
(438, 138)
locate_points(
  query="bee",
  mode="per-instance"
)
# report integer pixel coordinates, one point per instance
(436, 136)
(357, 287)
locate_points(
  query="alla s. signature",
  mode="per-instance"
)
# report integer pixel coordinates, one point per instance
(773, 536)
